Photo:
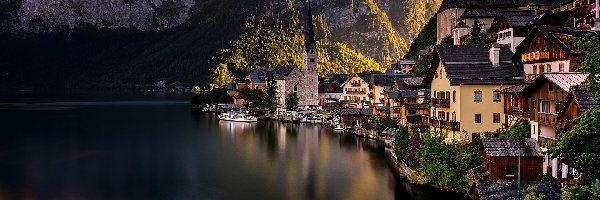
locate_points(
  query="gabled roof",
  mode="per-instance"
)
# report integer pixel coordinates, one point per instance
(470, 64)
(584, 98)
(279, 73)
(484, 12)
(517, 89)
(552, 33)
(413, 81)
(517, 18)
(507, 189)
(562, 80)
(500, 147)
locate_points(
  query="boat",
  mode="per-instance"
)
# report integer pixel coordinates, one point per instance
(338, 127)
(244, 118)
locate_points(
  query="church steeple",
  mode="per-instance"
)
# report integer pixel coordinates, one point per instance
(309, 31)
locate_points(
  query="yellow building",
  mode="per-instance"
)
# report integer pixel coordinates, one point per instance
(465, 84)
(356, 92)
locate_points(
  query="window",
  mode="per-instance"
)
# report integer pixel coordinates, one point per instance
(312, 59)
(454, 96)
(478, 118)
(411, 112)
(435, 94)
(447, 95)
(510, 171)
(535, 69)
(441, 115)
(478, 96)
(561, 67)
(541, 69)
(548, 68)
(496, 118)
(545, 106)
(497, 96)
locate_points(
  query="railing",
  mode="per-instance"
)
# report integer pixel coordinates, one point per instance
(440, 103)
(452, 126)
(550, 120)
(516, 111)
(356, 92)
(537, 55)
(530, 77)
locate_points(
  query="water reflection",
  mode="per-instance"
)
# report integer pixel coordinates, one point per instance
(313, 162)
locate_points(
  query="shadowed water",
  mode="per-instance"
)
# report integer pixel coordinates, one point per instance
(160, 150)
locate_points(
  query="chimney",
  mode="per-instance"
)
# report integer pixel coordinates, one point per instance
(495, 54)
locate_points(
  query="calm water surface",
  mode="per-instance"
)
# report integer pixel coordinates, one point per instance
(160, 150)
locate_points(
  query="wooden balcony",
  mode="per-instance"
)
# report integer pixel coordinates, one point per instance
(550, 120)
(530, 77)
(536, 55)
(443, 124)
(355, 84)
(440, 103)
(356, 92)
(518, 112)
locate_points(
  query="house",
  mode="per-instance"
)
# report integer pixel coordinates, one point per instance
(402, 66)
(355, 92)
(330, 90)
(514, 25)
(511, 189)
(355, 116)
(501, 158)
(302, 81)
(410, 107)
(516, 106)
(546, 97)
(465, 84)
(579, 100)
(451, 12)
(549, 49)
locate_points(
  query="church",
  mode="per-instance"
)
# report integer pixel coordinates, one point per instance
(303, 81)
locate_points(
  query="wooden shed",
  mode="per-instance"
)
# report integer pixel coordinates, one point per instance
(501, 159)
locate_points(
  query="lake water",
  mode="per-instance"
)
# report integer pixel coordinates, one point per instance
(160, 150)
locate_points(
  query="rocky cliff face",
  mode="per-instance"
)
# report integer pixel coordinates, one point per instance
(37, 16)
(179, 39)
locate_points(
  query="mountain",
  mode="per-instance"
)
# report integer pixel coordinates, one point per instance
(124, 43)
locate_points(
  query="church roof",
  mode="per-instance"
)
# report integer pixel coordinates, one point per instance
(309, 32)
(260, 75)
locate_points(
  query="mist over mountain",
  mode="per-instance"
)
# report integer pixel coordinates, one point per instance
(123, 43)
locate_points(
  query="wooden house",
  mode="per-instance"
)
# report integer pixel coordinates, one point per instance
(355, 116)
(501, 159)
(549, 49)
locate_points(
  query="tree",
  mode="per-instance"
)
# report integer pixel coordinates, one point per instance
(521, 129)
(291, 100)
(474, 36)
(582, 193)
(532, 194)
(255, 98)
(402, 142)
(580, 147)
(421, 66)
(448, 40)
(271, 100)
(380, 123)
(221, 76)
(590, 43)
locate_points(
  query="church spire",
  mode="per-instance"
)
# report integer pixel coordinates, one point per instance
(309, 34)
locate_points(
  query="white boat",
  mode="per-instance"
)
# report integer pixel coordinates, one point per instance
(244, 118)
(338, 127)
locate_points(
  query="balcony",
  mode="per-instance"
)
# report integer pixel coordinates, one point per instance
(443, 124)
(356, 92)
(536, 55)
(530, 77)
(550, 120)
(518, 112)
(440, 103)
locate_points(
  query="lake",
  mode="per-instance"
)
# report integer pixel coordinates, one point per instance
(158, 149)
